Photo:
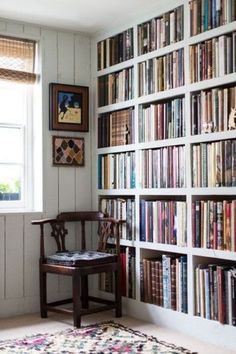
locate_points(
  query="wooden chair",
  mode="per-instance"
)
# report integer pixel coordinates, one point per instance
(79, 264)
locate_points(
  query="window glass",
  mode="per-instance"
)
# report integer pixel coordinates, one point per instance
(10, 182)
(11, 145)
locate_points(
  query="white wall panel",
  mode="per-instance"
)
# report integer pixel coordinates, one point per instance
(82, 77)
(14, 256)
(2, 257)
(66, 62)
(31, 255)
(49, 74)
(19, 240)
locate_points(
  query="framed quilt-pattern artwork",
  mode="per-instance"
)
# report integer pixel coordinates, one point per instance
(68, 151)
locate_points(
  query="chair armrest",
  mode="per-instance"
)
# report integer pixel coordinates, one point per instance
(43, 221)
(113, 220)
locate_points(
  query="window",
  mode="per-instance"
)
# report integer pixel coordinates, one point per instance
(17, 148)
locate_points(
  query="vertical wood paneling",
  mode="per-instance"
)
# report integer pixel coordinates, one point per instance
(2, 258)
(66, 76)
(19, 240)
(14, 256)
(66, 58)
(82, 77)
(49, 74)
(31, 252)
(82, 60)
(50, 174)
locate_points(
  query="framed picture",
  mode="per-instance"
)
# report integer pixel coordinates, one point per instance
(68, 108)
(67, 151)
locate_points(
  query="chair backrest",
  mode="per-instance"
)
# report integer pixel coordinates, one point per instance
(108, 228)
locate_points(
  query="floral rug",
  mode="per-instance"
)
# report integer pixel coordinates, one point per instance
(103, 338)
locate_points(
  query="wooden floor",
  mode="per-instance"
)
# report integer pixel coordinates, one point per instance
(32, 324)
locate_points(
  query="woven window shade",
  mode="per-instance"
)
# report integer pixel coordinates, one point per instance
(17, 58)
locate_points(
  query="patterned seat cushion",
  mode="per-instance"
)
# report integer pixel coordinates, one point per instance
(78, 258)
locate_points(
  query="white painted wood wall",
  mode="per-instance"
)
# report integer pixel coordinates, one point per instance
(65, 59)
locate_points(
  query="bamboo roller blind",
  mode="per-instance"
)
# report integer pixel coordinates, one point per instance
(17, 60)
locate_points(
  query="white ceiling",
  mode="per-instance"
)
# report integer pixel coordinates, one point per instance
(89, 16)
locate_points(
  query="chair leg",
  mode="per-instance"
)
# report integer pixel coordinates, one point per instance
(43, 294)
(118, 298)
(76, 300)
(84, 291)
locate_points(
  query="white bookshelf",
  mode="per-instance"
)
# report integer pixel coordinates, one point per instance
(208, 330)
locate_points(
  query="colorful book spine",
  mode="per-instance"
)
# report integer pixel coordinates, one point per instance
(208, 14)
(114, 50)
(219, 218)
(213, 164)
(215, 285)
(164, 281)
(161, 73)
(115, 87)
(162, 168)
(161, 31)
(213, 110)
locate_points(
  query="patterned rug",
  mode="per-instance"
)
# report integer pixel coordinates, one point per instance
(104, 338)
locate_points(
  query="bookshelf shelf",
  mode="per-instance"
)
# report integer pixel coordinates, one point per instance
(115, 149)
(116, 67)
(204, 328)
(160, 52)
(162, 247)
(230, 191)
(162, 192)
(218, 81)
(115, 106)
(117, 191)
(208, 253)
(179, 91)
(230, 134)
(229, 27)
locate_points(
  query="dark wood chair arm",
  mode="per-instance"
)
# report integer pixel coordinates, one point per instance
(114, 221)
(43, 221)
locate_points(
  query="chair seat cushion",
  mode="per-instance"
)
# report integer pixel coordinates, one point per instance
(79, 258)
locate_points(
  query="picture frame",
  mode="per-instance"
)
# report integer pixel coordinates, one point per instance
(67, 151)
(68, 106)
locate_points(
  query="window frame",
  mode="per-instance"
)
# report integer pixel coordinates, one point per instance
(27, 187)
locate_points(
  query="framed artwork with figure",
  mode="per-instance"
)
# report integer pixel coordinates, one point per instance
(68, 107)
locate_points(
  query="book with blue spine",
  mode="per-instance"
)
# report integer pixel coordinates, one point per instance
(184, 284)
(166, 269)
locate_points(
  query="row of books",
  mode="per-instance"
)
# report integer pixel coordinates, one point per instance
(121, 209)
(213, 58)
(163, 222)
(116, 128)
(116, 171)
(214, 164)
(161, 31)
(128, 275)
(115, 87)
(208, 14)
(115, 49)
(214, 224)
(162, 168)
(164, 120)
(213, 110)
(163, 281)
(215, 292)
(161, 73)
